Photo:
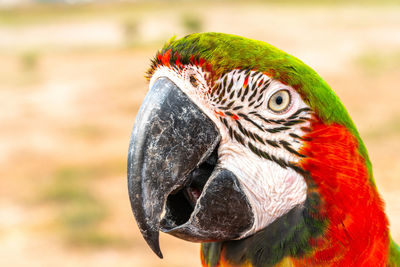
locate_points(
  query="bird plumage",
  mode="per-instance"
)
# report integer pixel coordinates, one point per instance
(338, 218)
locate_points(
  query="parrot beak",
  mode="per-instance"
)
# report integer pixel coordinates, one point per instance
(174, 182)
(173, 179)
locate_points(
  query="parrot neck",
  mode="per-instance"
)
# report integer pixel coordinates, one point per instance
(286, 236)
(356, 231)
(342, 222)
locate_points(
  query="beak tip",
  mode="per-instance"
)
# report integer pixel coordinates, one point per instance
(159, 254)
(156, 249)
(152, 240)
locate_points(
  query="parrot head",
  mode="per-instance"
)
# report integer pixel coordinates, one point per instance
(228, 142)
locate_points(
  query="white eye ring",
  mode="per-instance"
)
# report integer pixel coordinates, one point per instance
(279, 101)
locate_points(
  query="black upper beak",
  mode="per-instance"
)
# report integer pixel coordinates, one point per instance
(173, 179)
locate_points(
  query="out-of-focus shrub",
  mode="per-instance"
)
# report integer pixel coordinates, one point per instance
(130, 28)
(80, 212)
(29, 60)
(192, 23)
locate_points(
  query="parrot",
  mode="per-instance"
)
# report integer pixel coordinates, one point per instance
(245, 149)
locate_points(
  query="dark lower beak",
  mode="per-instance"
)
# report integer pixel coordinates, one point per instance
(173, 179)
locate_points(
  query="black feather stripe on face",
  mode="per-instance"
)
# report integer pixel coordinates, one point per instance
(253, 140)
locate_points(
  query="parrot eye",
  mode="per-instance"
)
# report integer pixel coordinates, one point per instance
(279, 101)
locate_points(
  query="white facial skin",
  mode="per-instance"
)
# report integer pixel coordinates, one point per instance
(271, 186)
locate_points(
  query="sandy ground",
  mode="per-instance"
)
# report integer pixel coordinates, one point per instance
(70, 88)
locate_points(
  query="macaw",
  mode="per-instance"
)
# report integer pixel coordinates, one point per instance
(248, 151)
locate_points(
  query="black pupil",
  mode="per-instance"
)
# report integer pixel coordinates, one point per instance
(278, 100)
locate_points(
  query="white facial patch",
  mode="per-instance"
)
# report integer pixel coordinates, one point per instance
(259, 145)
(271, 190)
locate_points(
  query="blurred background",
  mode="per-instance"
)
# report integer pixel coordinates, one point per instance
(72, 80)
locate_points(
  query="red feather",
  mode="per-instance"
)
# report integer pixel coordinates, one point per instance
(357, 232)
